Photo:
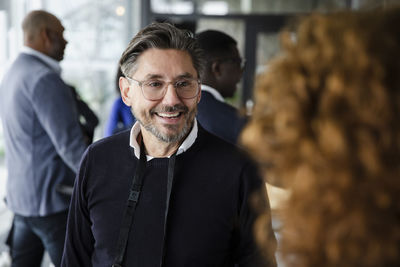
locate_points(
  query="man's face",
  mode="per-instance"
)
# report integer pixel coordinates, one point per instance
(57, 42)
(170, 118)
(231, 72)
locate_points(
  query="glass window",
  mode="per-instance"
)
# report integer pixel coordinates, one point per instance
(267, 47)
(3, 41)
(212, 7)
(97, 35)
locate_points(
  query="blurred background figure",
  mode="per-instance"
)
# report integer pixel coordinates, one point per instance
(87, 118)
(43, 139)
(223, 72)
(326, 124)
(120, 117)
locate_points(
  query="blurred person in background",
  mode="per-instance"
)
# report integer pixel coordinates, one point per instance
(223, 71)
(326, 123)
(120, 117)
(43, 139)
(88, 120)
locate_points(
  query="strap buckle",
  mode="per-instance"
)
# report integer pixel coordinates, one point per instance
(133, 196)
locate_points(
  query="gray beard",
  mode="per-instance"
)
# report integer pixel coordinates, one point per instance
(169, 138)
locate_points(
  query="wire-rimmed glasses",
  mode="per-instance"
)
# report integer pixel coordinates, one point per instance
(155, 89)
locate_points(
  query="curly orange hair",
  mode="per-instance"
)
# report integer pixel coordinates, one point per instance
(326, 125)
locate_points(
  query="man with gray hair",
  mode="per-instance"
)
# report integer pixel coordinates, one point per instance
(165, 193)
(43, 141)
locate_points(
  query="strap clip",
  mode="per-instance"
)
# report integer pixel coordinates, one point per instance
(134, 196)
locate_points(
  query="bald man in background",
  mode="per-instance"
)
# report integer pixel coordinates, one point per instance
(43, 141)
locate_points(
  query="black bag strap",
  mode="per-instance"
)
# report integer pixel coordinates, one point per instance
(132, 202)
(171, 167)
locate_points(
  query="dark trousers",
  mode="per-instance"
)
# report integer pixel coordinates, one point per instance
(32, 235)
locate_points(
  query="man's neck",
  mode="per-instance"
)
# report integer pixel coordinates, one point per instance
(51, 62)
(157, 148)
(36, 46)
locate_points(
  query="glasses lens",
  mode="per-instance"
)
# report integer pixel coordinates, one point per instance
(153, 89)
(187, 88)
(156, 89)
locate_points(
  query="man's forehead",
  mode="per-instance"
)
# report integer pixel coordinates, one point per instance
(165, 63)
(164, 53)
(160, 76)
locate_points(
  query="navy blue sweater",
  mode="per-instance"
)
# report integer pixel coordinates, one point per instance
(210, 221)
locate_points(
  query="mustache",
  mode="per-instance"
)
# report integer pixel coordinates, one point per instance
(176, 108)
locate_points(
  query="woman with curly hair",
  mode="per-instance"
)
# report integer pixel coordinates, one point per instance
(326, 125)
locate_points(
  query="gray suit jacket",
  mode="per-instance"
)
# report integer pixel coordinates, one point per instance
(43, 139)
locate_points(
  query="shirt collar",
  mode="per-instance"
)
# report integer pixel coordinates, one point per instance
(212, 91)
(51, 62)
(187, 143)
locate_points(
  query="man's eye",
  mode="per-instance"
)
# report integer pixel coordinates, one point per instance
(154, 84)
(182, 84)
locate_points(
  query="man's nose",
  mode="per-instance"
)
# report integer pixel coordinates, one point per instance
(171, 97)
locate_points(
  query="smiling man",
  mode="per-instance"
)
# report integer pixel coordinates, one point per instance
(165, 193)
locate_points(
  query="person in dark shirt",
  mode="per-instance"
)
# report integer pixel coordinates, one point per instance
(222, 73)
(87, 118)
(167, 192)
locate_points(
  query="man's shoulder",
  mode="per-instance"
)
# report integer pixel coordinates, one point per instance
(210, 105)
(207, 97)
(220, 118)
(28, 66)
(117, 143)
(31, 61)
(219, 147)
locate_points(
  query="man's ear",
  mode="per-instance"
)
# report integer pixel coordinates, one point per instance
(216, 68)
(125, 88)
(199, 96)
(44, 35)
(42, 41)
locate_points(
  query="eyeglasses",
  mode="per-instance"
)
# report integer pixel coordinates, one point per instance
(155, 89)
(241, 62)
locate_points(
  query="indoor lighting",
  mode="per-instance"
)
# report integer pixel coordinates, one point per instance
(215, 8)
(120, 11)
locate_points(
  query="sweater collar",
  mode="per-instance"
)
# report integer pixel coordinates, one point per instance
(187, 143)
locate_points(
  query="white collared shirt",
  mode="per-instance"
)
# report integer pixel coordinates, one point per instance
(53, 64)
(212, 91)
(187, 143)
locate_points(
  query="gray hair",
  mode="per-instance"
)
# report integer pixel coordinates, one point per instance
(161, 36)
